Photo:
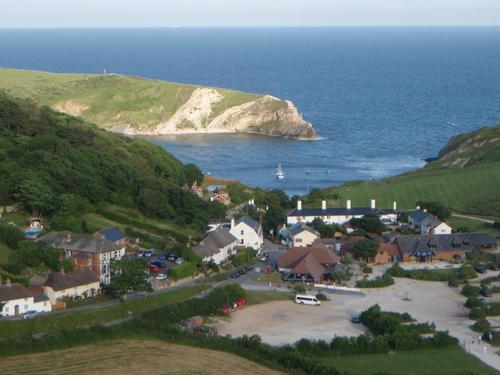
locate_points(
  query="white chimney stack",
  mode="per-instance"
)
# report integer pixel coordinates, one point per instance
(394, 206)
(323, 205)
(232, 222)
(425, 209)
(348, 204)
(418, 207)
(372, 204)
(299, 205)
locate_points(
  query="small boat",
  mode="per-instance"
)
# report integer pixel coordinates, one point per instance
(308, 171)
(280, 173)
(327, 171)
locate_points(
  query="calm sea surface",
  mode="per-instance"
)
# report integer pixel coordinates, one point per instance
(382, 99)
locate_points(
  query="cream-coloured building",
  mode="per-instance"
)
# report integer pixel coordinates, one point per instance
(17, 300)
(248, 232)
(79, 283)
(300, 235)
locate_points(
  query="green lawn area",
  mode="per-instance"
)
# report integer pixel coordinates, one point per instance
(90, 316)
(471, 190)
(254, 298)
(473, 225)
(442, 361)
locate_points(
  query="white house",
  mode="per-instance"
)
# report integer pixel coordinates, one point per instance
(339, 215)
(217, 246)
(423, 222)
(248, 232)
(17, 300)
(79, 283)
(300, 235)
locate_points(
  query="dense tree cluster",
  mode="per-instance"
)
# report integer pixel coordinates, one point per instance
(436, 208)
(61, 167)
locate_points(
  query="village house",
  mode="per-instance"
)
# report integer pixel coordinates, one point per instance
(427, 248)
(78, 283)
(17, 300)
(248, 232)
(220, 196)
(217, 246)
(423, 222)
(299, 235)
(117, 238)
(387, 252)
(308, 264)
(87, 251)
(339, 215)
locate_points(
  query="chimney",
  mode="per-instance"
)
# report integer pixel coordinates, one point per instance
(372, 204)
(348, 204)
(418, 207)
(7, 282)
(68, 237)
(232, 222)
(425, 209)
(323, 205)
(299, 205)
(394, 206)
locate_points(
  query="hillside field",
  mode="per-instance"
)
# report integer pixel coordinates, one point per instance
(132, 357)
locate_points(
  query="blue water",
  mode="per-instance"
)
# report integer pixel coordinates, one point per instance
(383, 99)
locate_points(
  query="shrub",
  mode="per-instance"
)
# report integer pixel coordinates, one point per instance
(321, 297)
(244, 256)
(299, 288)
(472, 302)
(183, 270)
(477, 313)
(397, 271)
(470, 290)
(367, 269)
(379, 282)
(453, 281)
(466, 272)
(482, 325)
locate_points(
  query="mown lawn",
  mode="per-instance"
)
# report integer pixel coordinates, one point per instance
(472, 190)
(254, 298)
(442, 361)
(94, 315)
(473, 225)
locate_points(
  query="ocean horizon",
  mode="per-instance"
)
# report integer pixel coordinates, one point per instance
(382, 99)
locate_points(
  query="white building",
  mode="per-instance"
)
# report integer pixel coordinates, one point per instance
(17, 300)
(339, 215)
(248, 232)
(217, 246)
(423, 222)
(300, 235)
(442, 228)
(79, 283)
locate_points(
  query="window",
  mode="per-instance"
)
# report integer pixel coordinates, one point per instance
(242, 232)
(298, 240)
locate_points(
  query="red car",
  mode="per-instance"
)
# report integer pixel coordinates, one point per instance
(153, 268)
(241, 302)
(226, 309)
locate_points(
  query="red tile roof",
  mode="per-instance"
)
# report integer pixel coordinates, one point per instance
(294, 255)
(310, 265)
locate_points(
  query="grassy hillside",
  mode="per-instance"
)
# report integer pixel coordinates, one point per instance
(466, 177)
(109, 100)
(133, 357)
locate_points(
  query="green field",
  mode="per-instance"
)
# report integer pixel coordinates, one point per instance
(443, 361)
(112, 99)
(473, 190)
(473, 225)
(94, 315)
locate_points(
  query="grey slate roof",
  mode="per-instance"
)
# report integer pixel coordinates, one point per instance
(112, 234)
(300, 227)
(213, 242)
(250, 222)
(13, 291)
(61, 280)
(419, 215)
(339, 211)
(430, 221)
(77, 242)
(411, 245)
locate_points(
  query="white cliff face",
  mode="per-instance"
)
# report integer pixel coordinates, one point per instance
(266, 115)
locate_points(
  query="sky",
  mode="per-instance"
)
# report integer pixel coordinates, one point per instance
(246, 13)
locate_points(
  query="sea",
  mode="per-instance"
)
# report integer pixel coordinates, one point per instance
(381, 99)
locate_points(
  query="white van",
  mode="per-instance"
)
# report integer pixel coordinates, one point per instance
(304, 299)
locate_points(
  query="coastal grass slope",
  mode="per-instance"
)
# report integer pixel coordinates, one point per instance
(144, 106)
(465, 177)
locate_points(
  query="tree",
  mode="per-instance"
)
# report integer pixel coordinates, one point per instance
(129, 275)
(274, 216)
(436, 208)
(369, 223)
(32, 254)
(192, 173)
(366, 248)
(325, 230)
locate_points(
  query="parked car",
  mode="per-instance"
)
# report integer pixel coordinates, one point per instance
(164, 256)
(487, 293)
(158, 264)
(356, 319)
(172, 258)
(235, 275)
(161, 276)
(481, 269)
(179, 260)
(153, 268)
(30, 314)
(263, 258)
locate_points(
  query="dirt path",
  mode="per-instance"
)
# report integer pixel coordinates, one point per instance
(132, 357)
(473, 218)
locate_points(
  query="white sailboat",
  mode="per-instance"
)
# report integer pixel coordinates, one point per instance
(280, 173)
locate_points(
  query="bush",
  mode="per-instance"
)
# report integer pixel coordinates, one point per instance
(477, 313)
(367, 269)
(183, 270)
(244, 256)
(470, 290)
(482, 325)
(453, 281)
(321, 297)
(396, 271)
(299, 288)
(472, 302)
(466, 272)
(379, 282)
